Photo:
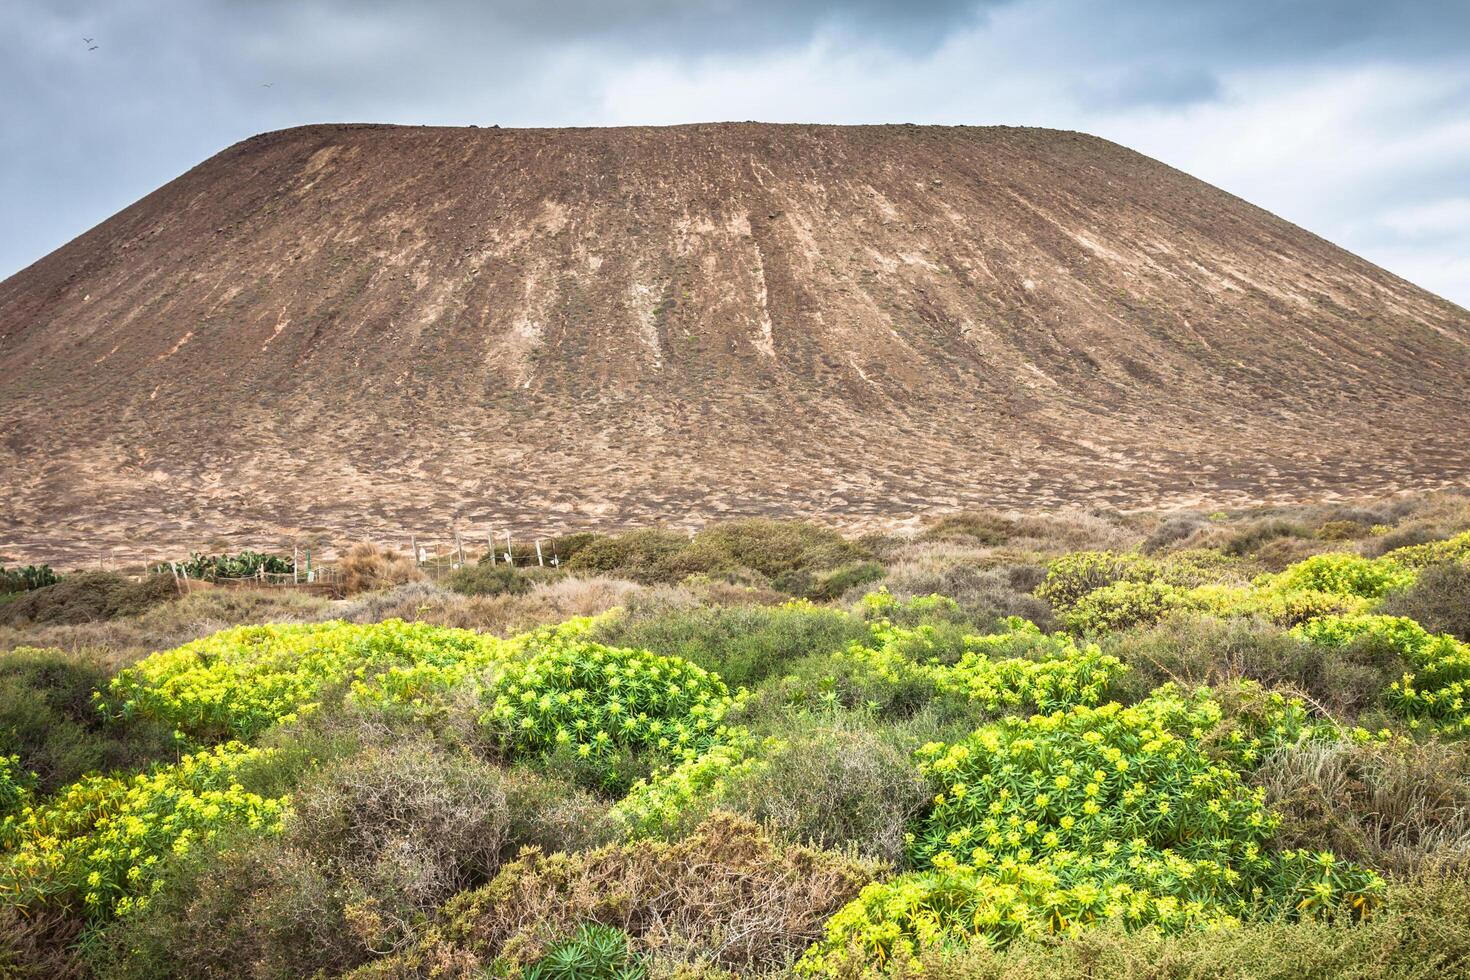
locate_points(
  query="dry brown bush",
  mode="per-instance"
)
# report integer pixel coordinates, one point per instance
(546, 603)
(39, 945)
(407, 825)
(366, 568)
(725, 896)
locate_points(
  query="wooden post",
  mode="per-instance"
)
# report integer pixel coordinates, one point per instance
(510, 555)
(538, 554)
(458, 548)
(295, 550)
(490, 543)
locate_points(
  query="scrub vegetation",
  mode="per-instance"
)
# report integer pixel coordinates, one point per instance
(1227, 744)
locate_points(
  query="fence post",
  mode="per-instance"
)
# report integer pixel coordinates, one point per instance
(510, 555)
(539, 562)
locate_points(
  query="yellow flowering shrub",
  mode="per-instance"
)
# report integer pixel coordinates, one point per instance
(1123, 605)
(15, 791)
(1418, 556)
(1340, 573)
(658, 803)
(95, 846)
(1435, 689)
(1049, 824)
(1101, 592)
(1071, 577)
(1054, 672)
(238, 682)
(594, 700)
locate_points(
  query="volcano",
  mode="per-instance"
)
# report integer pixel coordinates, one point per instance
(378, 331)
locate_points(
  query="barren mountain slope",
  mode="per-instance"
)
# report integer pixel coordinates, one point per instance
(380, 330)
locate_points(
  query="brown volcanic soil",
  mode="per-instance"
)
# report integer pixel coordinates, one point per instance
(384, 330)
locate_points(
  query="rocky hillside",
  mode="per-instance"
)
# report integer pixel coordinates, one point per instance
(382, 330)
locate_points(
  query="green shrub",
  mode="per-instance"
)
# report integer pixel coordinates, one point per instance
(94, 847)
(1073, 576)
(856, 679)
(835, 786)
(88, 597)
(1048, 825)
(776, 548)
(592, 951)
(1337, 573)
(982, 596)
(671, 801)
(25, 578)
(593, 701)
(1249, 539)
(982, 528)
(793, 553)
(1123, 605)
(649, 555)
(485, 579)
(743, 644)
(48, 720)
(1341, 530)
(1422, 933)
(827, 586)
(1399, 806)
(1439, 600)
(1196, 649)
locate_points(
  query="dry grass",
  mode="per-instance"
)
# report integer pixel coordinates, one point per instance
(119, 642)
(1401, 808)
(544, 604)
(366, 568)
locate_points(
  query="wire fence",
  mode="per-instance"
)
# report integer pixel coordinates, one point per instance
(436, 562)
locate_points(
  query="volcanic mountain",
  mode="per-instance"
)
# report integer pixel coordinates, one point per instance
(390, 330)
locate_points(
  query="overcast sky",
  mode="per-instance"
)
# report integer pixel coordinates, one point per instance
(1351, 118)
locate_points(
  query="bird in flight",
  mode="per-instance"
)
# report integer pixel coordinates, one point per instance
(86, 40)
(94, 47)
(266, 84)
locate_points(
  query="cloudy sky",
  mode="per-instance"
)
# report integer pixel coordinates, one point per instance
(1349, 117)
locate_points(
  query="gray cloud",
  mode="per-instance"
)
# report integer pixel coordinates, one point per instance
(1351, 118)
